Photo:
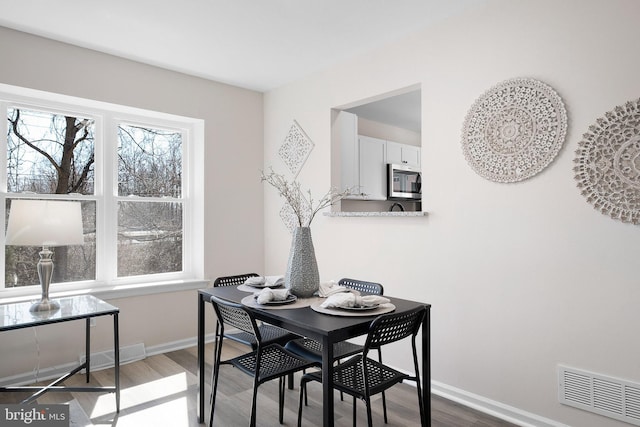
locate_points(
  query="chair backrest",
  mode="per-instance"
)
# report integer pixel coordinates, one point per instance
(365, 288)
(232, 280)
(392, 327)
(235, 315)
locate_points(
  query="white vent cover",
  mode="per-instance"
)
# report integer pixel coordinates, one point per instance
(105, 359)
(608, 396)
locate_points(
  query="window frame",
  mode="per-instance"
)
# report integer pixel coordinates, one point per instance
(107, 117)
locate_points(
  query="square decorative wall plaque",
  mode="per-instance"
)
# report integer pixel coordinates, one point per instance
(295, 149)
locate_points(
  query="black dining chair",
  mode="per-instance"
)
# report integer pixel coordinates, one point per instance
(269, 333)
(312, 349)
(363, 377)
(265, 363)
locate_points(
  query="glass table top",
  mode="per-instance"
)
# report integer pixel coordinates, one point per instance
(17, 315)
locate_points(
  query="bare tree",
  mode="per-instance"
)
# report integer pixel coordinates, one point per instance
(150, 165)
(54, 154)
(66, 149)
(71, 172)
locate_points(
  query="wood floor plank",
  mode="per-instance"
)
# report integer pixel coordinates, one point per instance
(161, 391)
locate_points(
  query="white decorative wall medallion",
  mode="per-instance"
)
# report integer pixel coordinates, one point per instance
(514, 130)
(295, 149)
(608, 163)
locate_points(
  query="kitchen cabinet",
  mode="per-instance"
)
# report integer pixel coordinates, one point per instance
(363, 159)
(345, 132)
(403, 154)
(372, 173)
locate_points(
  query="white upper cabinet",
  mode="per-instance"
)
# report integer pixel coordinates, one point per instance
(403, 154)
(373, 173)
(345, 131)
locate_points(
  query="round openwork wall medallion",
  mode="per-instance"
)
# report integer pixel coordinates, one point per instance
(514, 130)
(608, 163)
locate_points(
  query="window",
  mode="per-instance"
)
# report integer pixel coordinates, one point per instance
(150, 219)
(135, 174)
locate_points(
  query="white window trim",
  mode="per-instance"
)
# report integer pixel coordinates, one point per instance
(192, 276)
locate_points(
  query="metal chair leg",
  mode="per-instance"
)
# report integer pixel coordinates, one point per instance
(384, 407)
(281, 399)
(384, 398)
(217, 354)
(367, 402)
(303, 391)
(306, 401)
(254, 402)
(354, 411)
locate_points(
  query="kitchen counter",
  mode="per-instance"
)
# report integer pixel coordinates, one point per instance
(375, 214)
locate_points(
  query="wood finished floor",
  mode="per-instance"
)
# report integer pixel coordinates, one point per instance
(161, 391)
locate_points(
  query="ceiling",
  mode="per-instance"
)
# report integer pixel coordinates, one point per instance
(403, 111)
(255, 44)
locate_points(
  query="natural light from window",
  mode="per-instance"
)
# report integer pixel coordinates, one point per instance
(136, 173)
(160, 402)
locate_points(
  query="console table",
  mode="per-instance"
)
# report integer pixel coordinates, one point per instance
(17, 316)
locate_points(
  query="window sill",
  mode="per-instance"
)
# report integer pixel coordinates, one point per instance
(108, 291)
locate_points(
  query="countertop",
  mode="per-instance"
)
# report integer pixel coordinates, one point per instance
(376, 214)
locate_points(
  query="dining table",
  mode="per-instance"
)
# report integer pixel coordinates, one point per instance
(325, 328)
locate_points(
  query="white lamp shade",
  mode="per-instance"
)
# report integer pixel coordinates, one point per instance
(44, 223)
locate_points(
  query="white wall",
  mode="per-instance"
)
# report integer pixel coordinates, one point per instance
(521, 276)
(233, 157)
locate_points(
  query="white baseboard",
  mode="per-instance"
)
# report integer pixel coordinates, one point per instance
(499, 410)
(177, 345)
(135, 352)
(101, 360)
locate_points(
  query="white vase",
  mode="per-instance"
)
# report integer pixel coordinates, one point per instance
(302, 277)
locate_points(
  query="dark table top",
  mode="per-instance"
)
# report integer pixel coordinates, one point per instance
(305, 321)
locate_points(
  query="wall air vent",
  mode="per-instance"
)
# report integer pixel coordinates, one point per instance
(608, 396)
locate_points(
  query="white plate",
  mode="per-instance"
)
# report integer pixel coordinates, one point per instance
(382, 309)
(360, 308)
(263, 285)
(290, 299)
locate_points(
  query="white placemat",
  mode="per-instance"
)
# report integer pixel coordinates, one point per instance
(250, 301)
(382, 309)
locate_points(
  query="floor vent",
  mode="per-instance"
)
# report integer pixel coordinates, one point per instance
(608, 396)
(105, 359)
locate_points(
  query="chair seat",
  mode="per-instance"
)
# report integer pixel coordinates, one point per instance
(270, 334)
(275, 362)
(312, 349)
(348, 377)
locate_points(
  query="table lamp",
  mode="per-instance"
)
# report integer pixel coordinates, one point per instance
(44, 223)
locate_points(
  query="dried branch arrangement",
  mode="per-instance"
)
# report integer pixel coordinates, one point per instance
(302, 202)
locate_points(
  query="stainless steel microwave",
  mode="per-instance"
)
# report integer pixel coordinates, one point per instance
(403, 182)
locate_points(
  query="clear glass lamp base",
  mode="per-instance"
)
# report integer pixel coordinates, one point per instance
(44, 305)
